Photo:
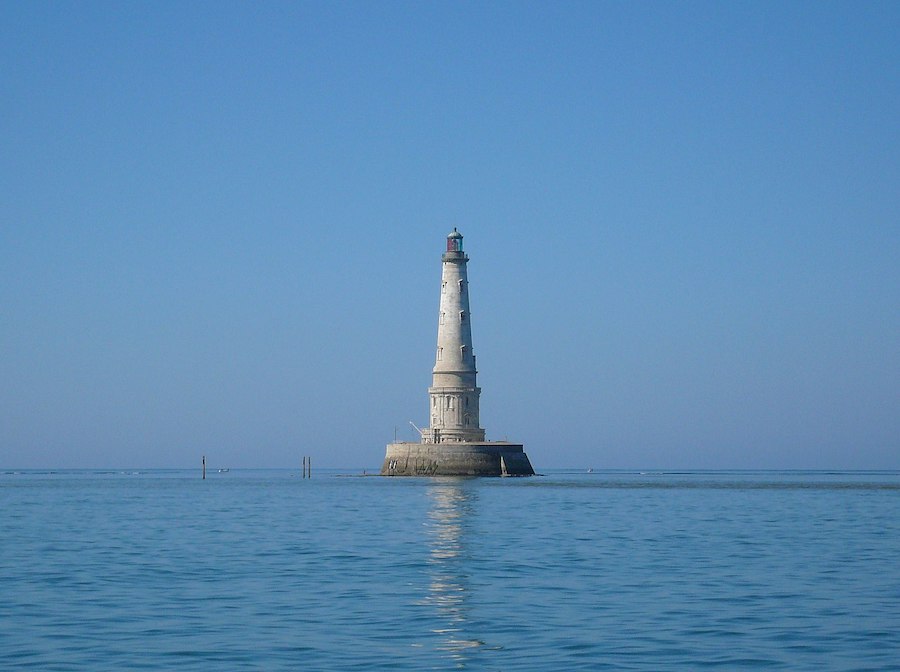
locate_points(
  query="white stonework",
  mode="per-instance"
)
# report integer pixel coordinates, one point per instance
(453, 395)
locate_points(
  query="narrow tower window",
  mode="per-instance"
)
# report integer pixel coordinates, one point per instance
(442, 317)
(461, 285)
(440, 353)
(462, 316)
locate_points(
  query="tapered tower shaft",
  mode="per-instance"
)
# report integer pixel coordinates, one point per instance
(454, 394)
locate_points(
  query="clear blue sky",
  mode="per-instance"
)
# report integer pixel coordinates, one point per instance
(221, 226)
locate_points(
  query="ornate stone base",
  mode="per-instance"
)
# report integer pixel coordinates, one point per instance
(488, 458)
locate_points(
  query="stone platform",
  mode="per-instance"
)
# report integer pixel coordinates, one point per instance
(488, 458)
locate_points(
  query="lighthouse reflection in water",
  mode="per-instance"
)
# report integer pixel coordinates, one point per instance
(448, 519)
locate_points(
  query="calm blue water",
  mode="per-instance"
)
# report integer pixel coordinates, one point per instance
(262, 570)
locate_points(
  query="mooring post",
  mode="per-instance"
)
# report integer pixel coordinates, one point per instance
(204, 467)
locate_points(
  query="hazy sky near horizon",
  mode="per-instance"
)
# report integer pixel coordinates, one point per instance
(221, 226)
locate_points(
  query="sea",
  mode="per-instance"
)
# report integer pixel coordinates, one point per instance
(571, 570)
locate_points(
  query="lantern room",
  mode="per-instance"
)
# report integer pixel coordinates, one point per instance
(454, 241)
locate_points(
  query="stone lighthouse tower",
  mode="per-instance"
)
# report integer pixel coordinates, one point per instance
(454, 443)
(453, 393)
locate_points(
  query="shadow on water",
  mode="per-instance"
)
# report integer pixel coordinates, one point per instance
(449, 592)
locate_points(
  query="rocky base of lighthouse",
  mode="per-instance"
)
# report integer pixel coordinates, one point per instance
(488, 458)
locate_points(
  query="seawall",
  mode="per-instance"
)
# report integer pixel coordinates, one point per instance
(488, 458)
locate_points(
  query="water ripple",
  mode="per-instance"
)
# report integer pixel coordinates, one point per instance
(619, 571)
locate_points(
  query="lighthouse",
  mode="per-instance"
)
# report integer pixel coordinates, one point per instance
(454, 443)
(453, 394)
